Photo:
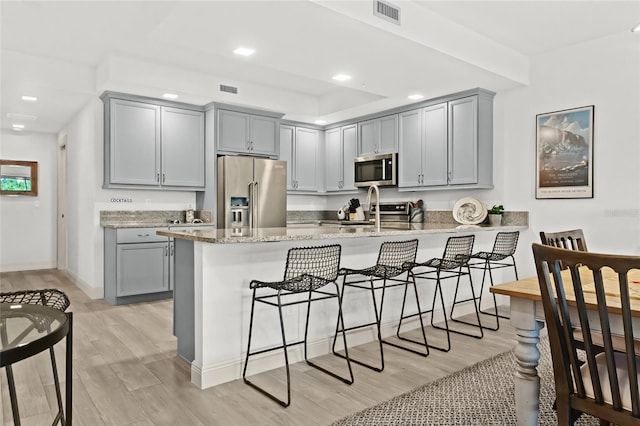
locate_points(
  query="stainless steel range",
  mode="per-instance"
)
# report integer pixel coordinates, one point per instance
(394, 211)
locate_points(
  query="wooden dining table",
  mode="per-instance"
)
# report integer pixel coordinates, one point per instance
(527, 316)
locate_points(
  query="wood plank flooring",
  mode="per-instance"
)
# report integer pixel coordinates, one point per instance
(126, 372)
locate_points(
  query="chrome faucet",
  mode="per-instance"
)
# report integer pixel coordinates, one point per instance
(374, 188)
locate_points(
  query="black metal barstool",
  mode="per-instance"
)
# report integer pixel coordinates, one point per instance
(394, 259)
(504, 247)
(454, 263)
(56, 299)
(308, 270)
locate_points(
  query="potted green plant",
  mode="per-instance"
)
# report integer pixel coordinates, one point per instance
(495, 215)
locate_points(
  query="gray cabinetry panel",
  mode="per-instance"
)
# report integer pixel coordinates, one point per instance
(233, 131)
(183, 161)
(142, 268)
(306, 153)
(334, 162)
(299, 148)
(369, 137)
(138, 265)
(456, 142)
(152, 145)
(378, 136)
(411, 152)
(463, 141)
(287, 136)
(435, 145)
(263, 132)
(239, 132)
(349, 147)
(134, 145)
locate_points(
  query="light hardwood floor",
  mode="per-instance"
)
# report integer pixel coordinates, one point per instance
(125, 372)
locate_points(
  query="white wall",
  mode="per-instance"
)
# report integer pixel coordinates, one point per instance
(28, 224)
(604, 73)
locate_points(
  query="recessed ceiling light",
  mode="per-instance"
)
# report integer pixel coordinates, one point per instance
(170, 96)
(17, 126)
(14, 116)
(636, 28)
(29, 98)
(415, 97)
(341, 77)
(244, 51)
(320, 122)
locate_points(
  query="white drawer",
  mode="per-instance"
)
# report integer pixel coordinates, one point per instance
(139, 235)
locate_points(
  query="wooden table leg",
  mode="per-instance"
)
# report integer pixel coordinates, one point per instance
(527, 381)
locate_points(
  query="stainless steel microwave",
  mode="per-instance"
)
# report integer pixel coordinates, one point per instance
(378, 170)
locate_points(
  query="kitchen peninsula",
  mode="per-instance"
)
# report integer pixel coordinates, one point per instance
(212, 295)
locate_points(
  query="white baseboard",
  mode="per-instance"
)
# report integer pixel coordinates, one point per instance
(211, 375)
(92, 292)
(28, 266)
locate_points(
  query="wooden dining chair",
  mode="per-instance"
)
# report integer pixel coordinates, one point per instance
(602, 384)
(570, 240)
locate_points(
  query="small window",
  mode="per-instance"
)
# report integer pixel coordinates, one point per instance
(18, 177)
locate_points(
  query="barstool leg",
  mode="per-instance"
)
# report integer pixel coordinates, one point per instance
(487, 266)
(444, 314)
(344, 341)
(474, 299)
(378, 316)
(284, 348)
(418, 314)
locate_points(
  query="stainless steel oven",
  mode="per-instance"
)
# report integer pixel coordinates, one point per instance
(378, 170)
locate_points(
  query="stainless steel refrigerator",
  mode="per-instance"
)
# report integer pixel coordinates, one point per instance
(252, 192)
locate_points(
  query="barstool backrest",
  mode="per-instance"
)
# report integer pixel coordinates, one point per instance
(458, 250)
(397, 253)
(506, 243)
(321, 262)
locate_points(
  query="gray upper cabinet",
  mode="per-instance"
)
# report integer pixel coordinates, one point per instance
(447, 145)
(299, 147)
(152, 146)
(244, 133)
(340, 145)
(134, 154)
(378, 136)
(463, 141)
(182, 147)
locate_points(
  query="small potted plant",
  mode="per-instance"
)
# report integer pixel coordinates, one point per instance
(495, 215)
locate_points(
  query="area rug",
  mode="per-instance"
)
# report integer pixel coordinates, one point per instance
(482, 394)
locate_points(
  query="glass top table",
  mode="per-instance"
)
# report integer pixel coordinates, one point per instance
(26, 330)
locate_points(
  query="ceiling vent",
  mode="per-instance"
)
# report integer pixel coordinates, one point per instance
(386, 11)
(228, 89)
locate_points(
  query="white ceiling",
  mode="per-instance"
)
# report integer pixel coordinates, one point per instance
(67, 53)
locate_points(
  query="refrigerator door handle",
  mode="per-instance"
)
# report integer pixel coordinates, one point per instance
(256, 205)
(251, 204)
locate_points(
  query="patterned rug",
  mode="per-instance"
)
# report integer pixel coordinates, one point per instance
(482, 394)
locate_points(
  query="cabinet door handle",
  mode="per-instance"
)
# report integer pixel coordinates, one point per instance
(163, 178)
(157, 177)
(143, 235)
(166, 252)
(172, 247)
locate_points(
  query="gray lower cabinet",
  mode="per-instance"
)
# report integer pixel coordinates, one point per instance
(340, 150)
(448, 144)
(299, 147)
(152, 145)
(244, 133)
(138, 265)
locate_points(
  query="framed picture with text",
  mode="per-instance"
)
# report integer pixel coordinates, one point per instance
(564, 153)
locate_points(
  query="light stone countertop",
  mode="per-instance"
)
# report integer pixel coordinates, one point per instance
(325, 231)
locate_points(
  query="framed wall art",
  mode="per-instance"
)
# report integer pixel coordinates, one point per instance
(564, 153)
